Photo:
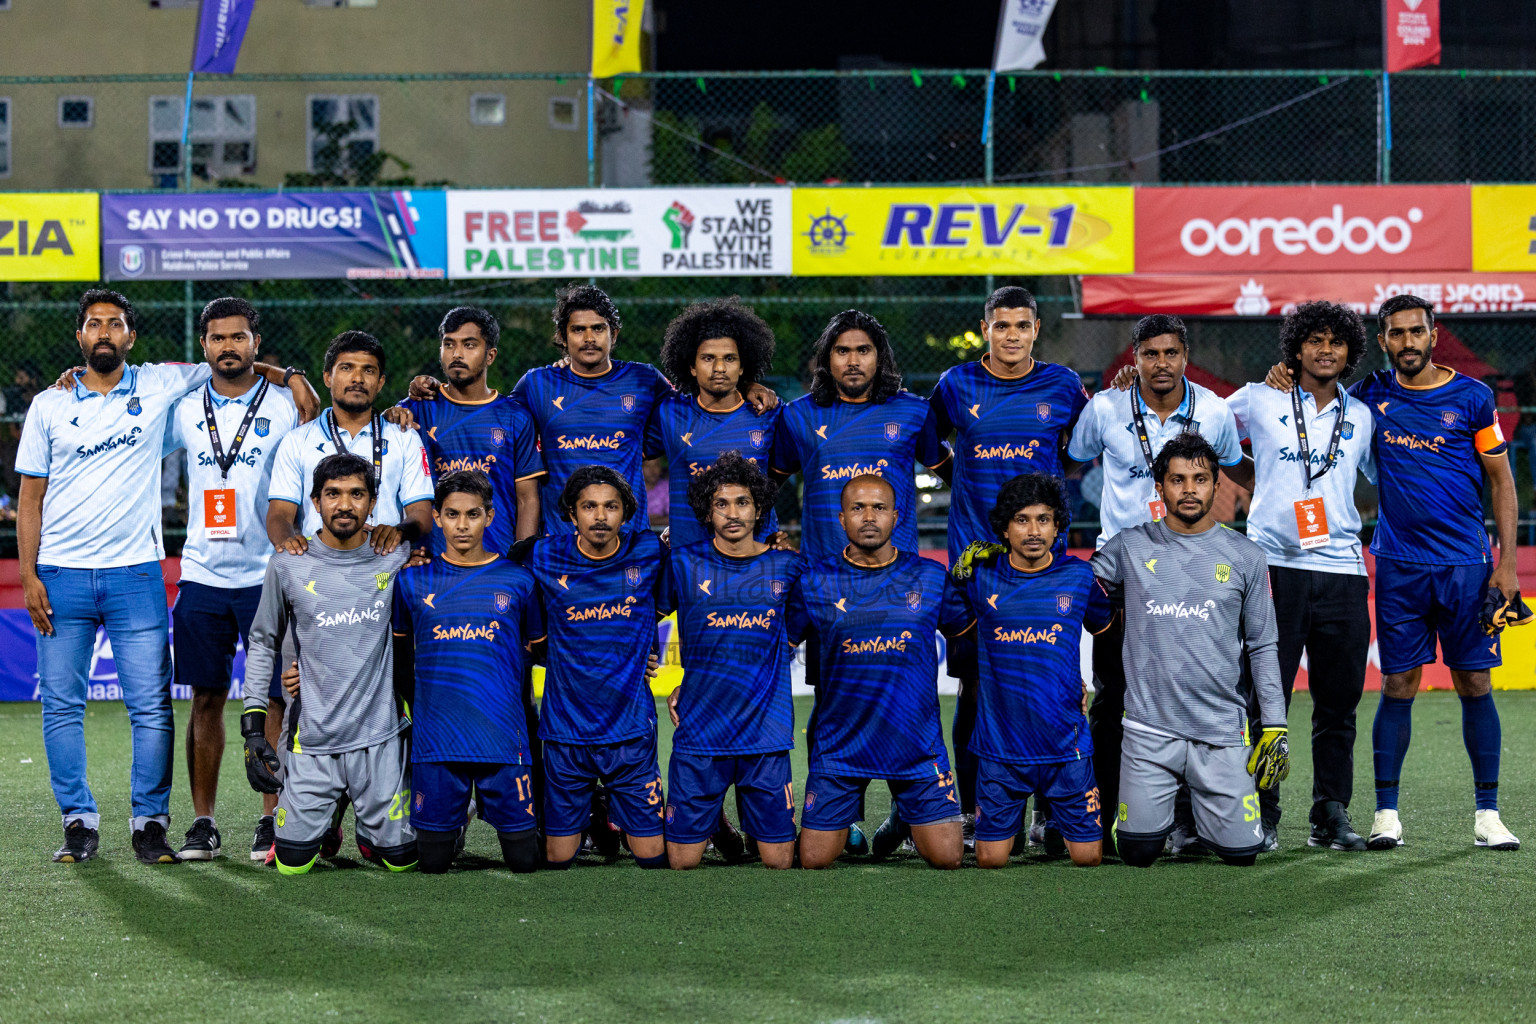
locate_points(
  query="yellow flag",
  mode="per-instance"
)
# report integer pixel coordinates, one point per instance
(616, 37)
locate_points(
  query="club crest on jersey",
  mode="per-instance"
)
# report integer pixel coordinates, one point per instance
(756, 438)
(892, 431)
(1063, 603)
(1043, 412)
(1223, 572)
(914, 601)
(498, 436)
(134, 408)
(1447, 419)
(382, 579)
(501, 602)
(420, 799)
(632, 575)
(262, 426)
(776, 587)
(1347, 431)
(627, 403)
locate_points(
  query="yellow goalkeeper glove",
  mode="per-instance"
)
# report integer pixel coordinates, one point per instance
(976, 551)
(1270, 761)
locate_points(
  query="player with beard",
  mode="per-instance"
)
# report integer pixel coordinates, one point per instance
(346, 741)
(476, 428)
(1437, 438)
(1196, 600)
(1127, 429)
(231, 429)
(88, 534)
(1308, 447)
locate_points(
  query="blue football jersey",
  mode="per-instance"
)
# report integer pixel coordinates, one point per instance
(877, 706)
(830, 445)
(692, 438)
(1002, 428)
(736, 655)
(469, 626)
(497, 438)
(601, 621)
(1029, 628)
(1429, 476)
(585, 421)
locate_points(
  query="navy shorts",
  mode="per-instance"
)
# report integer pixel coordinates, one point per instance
(205, 622)
(1416, 602)
(696, 785)
(628, 771)
(833, 802)
(1069, 787)
(442, 796)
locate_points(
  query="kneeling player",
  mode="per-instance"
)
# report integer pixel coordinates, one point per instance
(735, 717)
(598, 720)
(345, 738)
(1031, 734)
(1195, 595)
(461, 623)
(875, 610)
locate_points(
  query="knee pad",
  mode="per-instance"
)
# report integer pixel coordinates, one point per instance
(436, 850)
(296, 858)
(652, 863)
(1139, 853)
(520, 850)
(396, 858)
(1244, 861)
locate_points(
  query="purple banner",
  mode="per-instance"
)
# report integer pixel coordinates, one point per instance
(206, 236)
(221, 28)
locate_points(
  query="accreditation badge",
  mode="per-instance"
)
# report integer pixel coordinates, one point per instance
(1311, 523)
(1158, 509)
(219, 515)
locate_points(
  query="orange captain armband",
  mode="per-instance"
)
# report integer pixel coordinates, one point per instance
(1489, 438)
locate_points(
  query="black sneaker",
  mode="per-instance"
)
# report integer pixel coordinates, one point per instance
(889, 836)
(202, 841)
(265, 838)
(150, 847)
(857, 842)
(728, 842)
(80, 843)
(1271, 838)
(330, 843)
(1336, 832)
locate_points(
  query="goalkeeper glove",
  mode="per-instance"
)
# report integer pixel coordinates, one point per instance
(1270, 761)
(261, 763)
(1500, 611)
(976, 551)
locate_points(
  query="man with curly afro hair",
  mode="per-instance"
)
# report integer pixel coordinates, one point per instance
(714, 353)
(1308, 446)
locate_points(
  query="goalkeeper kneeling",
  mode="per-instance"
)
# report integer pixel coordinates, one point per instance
(345, 734)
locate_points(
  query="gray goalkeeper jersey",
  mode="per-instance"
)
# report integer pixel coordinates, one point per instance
(336, 606)
(1192, 603)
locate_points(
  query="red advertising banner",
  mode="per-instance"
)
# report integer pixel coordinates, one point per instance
(1302, 228)
(1412, 33)
(1261, 294)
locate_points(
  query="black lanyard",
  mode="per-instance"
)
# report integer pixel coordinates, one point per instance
(1141, 423)
(1304, 449)
(226, 461)
(378, 442)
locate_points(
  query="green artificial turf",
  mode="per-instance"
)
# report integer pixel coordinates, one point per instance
(1436, 929)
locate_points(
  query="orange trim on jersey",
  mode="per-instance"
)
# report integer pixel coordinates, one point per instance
(986, 364)
(467, 565)
(532, 476)
(597, 558)
(852, 401)
(464, 401)
(1430, 387)
(590, 376)
(948, 454)
(715, 542)
(1031, 572)
(1489, 438)
(895, 553)
(721, 412)
(967, 629)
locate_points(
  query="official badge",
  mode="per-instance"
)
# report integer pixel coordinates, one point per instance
(1063, 603)
(914, 600)
(1043, 412)
(627, 403)
(1223, 572)
(756, 438)
(133, 407)
(776, 587)
(1347, 431)
(498, 436)
(892, 431)
(262, 426)
(382, 579)
(632, 575)
(1447, 419)
(501, 602)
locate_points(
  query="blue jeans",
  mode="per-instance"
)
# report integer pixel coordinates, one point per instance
(130, 602)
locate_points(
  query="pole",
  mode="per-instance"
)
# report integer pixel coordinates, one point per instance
(186, 125)
(986, 123)
(591, 131)
(188, 323)
(1386, 128)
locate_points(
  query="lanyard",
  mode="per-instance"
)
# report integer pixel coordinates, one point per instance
(1304, 448)
(1141, 423)
(378, 442)
(225, 461)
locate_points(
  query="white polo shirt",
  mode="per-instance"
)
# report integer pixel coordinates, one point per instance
(406, 476)
(1266, 418)
(241, 560)
(1108, 428)
(101, 457)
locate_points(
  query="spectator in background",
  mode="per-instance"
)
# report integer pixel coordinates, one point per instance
(14, 400)
(658, 496)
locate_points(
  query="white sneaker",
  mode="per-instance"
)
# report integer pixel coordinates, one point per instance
(1035, 838)
(1489, 831)
(1386, 831)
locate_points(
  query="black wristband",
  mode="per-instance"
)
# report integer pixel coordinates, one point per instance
(250, 725)
(290, 372)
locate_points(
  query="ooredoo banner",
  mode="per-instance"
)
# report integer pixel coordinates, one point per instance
(719, 232)
(1304, 228)
(1263, 294)
(210, 237)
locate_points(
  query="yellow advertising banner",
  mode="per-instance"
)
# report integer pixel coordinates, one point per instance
(1503, 219)
(616, 37)
(938, 231)
(50, 236)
